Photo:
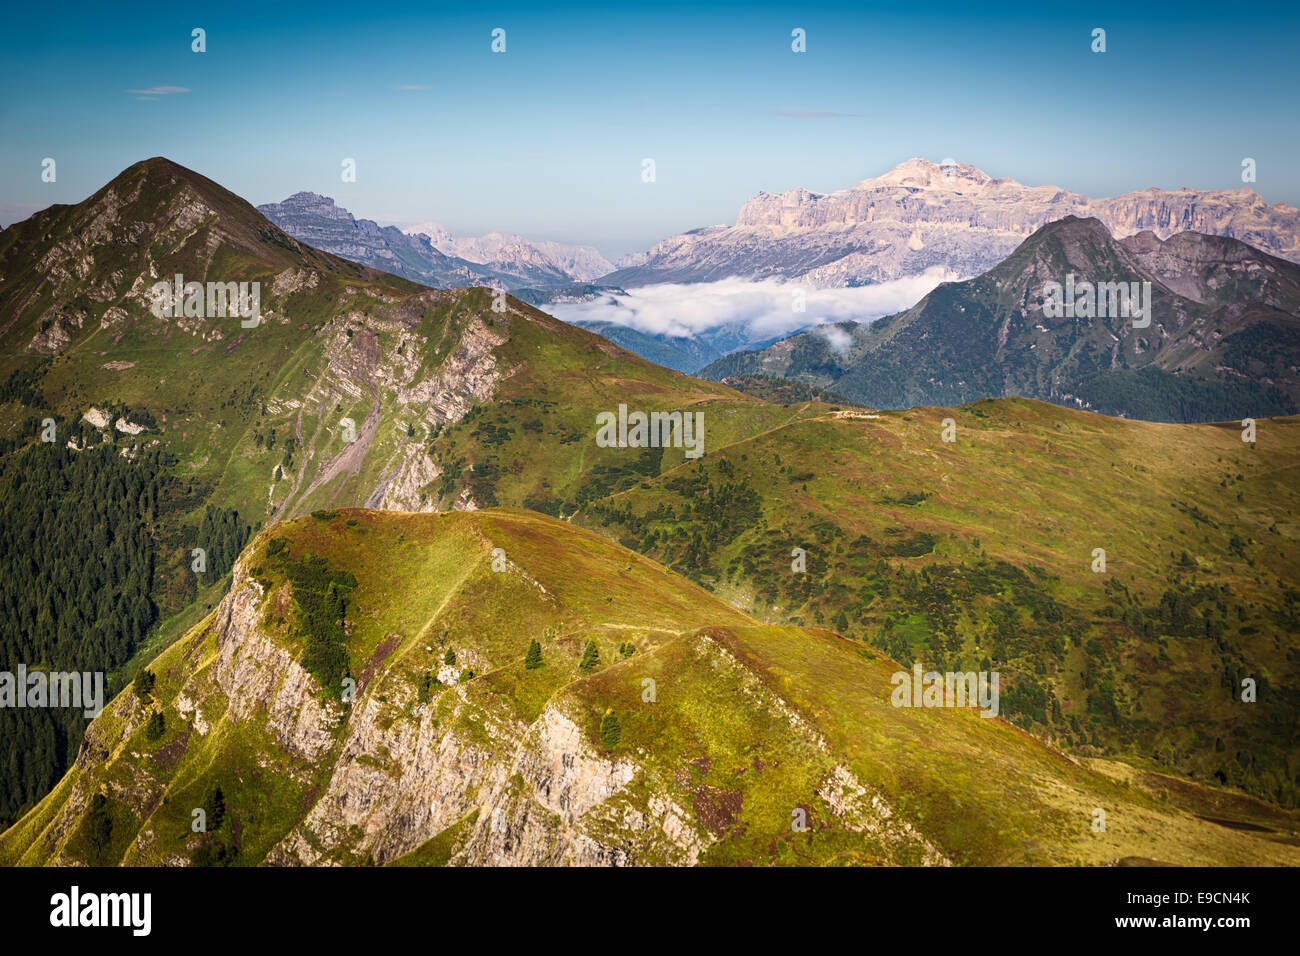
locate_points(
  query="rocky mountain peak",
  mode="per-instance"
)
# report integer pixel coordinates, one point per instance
(305, 205)
(435, 231)
(921, 173)
(1183, 348)
(308, 199)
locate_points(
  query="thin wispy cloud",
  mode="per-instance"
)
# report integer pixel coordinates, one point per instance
(835, 337)
(811, 114)
(413, 86)
(153, 92)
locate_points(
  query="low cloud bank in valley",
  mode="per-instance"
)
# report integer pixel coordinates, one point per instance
(765, 307)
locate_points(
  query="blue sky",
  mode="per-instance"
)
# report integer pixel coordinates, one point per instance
(548, 138)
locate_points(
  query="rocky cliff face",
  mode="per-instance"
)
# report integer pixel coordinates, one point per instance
(532, 793)
(459, 775)
(921, 214)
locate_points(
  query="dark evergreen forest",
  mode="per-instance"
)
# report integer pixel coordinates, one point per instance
(86, 557)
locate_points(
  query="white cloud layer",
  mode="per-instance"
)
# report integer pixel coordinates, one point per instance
(764, 308)
(835, 337)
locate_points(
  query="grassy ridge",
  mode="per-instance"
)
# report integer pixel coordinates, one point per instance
(979, 553)
(748, 723)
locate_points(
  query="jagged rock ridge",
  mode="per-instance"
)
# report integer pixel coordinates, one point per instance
(921, 214)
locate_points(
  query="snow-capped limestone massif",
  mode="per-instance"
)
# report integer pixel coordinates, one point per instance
(922, 214)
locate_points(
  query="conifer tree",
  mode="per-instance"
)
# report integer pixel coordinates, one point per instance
(98, 827)
(215, 808)
(534, 658)
(610, 730)
(143, 685)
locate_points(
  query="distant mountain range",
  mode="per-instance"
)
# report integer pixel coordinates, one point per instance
(918, 215)
(511, 254)
(317, 221)
(1223, 340)
(428, 254)
(922, 214)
